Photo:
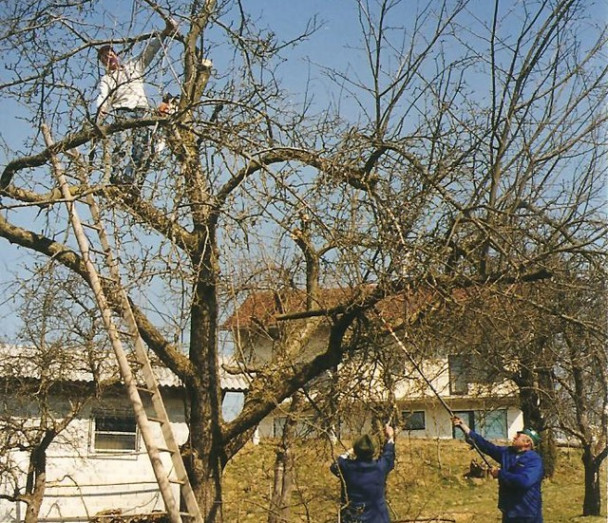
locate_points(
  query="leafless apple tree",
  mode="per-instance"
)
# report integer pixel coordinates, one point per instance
(43, 388)
(451, 146)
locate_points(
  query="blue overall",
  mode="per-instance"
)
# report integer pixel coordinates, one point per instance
(363, 489)
(519, 480)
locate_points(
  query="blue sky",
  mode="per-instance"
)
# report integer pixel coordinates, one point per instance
(334, 45)
(287, 17)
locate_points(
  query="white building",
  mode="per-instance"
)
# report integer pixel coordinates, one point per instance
(99, 461)
(488, 405)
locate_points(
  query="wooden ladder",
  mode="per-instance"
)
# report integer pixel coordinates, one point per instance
(134, 391)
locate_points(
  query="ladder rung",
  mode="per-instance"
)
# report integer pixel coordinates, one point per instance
(148, 391)
(98, 251)
(93, 226)
(165, 449)
(177, 481)
(157, 420)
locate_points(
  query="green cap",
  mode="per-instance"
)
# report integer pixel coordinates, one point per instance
(532, 434)
(364, 447)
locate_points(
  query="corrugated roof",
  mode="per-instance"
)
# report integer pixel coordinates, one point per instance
(79, 366)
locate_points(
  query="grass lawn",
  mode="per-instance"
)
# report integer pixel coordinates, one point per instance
(428, 481)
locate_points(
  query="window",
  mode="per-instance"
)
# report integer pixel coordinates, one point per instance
(468, 416)
(459, 376)
(114, 432)
(491, 424)
(414, 420)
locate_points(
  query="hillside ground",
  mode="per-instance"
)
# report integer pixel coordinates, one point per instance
(428, 482)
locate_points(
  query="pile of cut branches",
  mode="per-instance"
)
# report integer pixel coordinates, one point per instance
(116, 516)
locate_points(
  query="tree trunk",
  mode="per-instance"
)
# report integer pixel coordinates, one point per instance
(204, 463)
(548, 450)
(531, 404)
(548, 445)
(284, 467)
(281, 489)
(592, 499)
(205, 478)
(36, 483)
(206, 458)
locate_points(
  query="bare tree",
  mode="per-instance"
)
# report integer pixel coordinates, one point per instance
(580, 383)
(549, 339)
(59, 344)
(458, 152)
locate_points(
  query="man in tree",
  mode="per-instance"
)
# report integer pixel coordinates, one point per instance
(519, 476)
(363, 480)
(122, 94)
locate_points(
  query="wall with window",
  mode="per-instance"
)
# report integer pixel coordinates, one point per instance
(414, 420)
(491, 424)
(454, 376)
(114, 431)
(421, 420)
(100, 463)
(499, 423)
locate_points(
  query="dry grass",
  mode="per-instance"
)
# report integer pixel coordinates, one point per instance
(428, 481)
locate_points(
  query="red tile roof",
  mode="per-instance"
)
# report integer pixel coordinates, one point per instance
(262, 309)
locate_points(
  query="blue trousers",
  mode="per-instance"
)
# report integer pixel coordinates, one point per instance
(132, 149)
(533, 519)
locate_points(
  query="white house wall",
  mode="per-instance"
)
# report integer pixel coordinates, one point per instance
(82, 482)
(438, 423)
(410, 387)
(413, 384)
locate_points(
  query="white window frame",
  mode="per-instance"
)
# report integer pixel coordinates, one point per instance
(459, 379)
(407, 413)
(118, 433)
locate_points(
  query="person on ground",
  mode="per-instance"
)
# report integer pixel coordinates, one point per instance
(122, 95)
(519, 476)
(363, 479)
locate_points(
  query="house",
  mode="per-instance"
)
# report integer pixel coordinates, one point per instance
(420, 391)
(98, 462)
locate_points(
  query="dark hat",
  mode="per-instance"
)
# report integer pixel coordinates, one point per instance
(104, 49)
(364, 447)
(532, 434)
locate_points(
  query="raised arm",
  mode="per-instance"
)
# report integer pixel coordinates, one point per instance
(387, 458)
(155, 43)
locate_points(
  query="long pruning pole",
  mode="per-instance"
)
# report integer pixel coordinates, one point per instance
(430, 385)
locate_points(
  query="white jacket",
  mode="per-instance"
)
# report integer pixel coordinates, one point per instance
(123, 88)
